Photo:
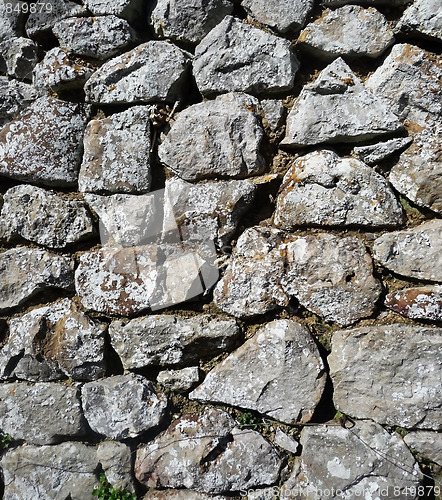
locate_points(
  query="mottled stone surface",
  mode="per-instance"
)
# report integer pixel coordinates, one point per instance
(207, 454)
(286, 441)
(99, 37)
(122, 406)
(423, 18)
(429, 444)
(41, 413)
(375, 153)
(414, 252)
(179, 380)
(116, 461)
(322, 188)
(403, 365)
(180, 495)
(337, 107)
(43, 144)
(274, 113)
(278, 372)
(417, 303)
(168, 340)
(13, 24)
(350, 31)
(367, 2)
(27, 271)
(14, 97)
(153, 71)
(18, 57)
(231, 58)
(219, 138)
(126, 9)
(44, 217)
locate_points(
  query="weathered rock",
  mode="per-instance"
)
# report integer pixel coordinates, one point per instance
(322, 188)
(389, 373)
(67, 470)
(350, 31)
(375, 153)
(365, 461)
(122, 406)
(278, 372)
(116, 461)
(153, 71)
(180, 495)
(422, 18)
(189, 21)
(12, 23)
(168, 340)
(236, 56)
(274, 112)
(116, 153)
(263, 493)
(367, 2)
(281, 15)
(14, 97)
(54, 342)
(417, 303)
(337, 107)
(207, 454)
(18, 57)
(414, 252)
(28, 271)
(131, 10)
(44, 143)
(100, 37)
(429, 444)
(43, 217)
(286, 441)
(41, 413)
(60, 71)
(179, 380)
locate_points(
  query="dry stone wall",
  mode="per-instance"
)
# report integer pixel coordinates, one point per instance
(220, 249)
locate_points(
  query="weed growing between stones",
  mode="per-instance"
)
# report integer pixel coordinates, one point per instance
(107, 492)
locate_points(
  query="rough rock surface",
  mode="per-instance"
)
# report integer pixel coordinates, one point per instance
(116, 153)
(321, 188)
(54, 342)
(274, 113)
(44, 217)
(414, 252)
(99, 37)
(328, 463)
(43, 144)
(278, 372)
(106, 403)
(168, 340)
(350, 31)
(337, 107)
(126, 9)
(417, 303)
(180, 495)
(367, 2)
(18, 57)
(13, 24)
(219, 138)
(41, 413)
(286, 441)
(207, 454)
(375, 153)
(227, 58)
(403, 364)
(28, 271)
(179, 380)
(188, 21)
(427, 443)
(116, 460)
(153, 71)
(14, 97)
(423, 18)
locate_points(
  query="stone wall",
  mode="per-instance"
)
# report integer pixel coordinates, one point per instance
(220, 262)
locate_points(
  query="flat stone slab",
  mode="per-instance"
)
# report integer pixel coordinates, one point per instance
(236, 56)
(179, 380)
(131, 10)
(429, 444)
(375, 153)
(278, 372)
(389, 373)
(422, 18)
(417, 303)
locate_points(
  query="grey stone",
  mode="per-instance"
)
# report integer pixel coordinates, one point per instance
(286, 441)
(131, 10)
(122, 406)
(41, 413)
(236, 56)
(67, 470)
(14, 97)
(278, 372)
(350, 31)
(273, 113)
(168, 340)
(423, 18)
(116, 153)
(363, 462)
(263, 493)
(179, 380)
(54, 342)
(389, 373)
(18, 57)
(153, 71)
(284, 16)
(337, 107)
(44, 143)
(116, 462)
(414, 252)
(374, 154)
(180, 495)
(28, 271)
(322, 188)
(207, 454)
(12, 24)
(417, 303)
(429, 444)
(60, 71)
(367, 2)
(44, 217)
(99, 37)
(188, 21)
(219, 138)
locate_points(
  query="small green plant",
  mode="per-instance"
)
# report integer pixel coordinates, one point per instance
(401, 431)
(249, 420)
(107, 492)
(5, 441)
